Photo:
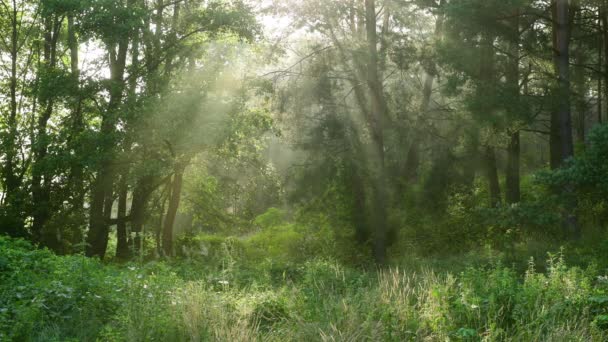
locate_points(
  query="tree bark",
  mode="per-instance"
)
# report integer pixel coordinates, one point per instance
(562, 29)
(412, 163)
(513, 192)
(174, 199)
(604, 19)
(359, 218)
(12, 213)
(561, 48)
(141, 193)
(378, 111)
(600, 62)
(76, 177)
(492, 176)
(98, 228)
(580, 84)
(486, 89)
(40, 178)
(122, 244)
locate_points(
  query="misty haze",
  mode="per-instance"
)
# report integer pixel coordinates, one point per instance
(303, 170)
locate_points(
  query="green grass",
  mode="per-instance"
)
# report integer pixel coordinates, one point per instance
(44, 297)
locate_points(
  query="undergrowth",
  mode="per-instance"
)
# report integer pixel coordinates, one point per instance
(44, 297)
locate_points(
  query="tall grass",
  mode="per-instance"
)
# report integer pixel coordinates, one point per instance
(42, 299)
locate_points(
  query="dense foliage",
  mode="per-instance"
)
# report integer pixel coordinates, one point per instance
(44, 297)
(301, 170)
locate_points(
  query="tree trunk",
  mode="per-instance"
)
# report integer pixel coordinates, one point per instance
(486, 89)
(40, 179)
(492, 176)
(513, 169)
(12, 215)
(412, 163)
(122, 244)
(600, 62)
(580, 85)
(471, 161)
(98, 228)
(561, 28)
(76, 177)
(378, 111)
(555, 150)
(174, 199)
(141, 193)
(512, 192)
(359, 218)
(604, 18)
(561, 49)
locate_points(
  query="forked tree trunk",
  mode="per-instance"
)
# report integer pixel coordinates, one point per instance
(97, 237)
(40, 180)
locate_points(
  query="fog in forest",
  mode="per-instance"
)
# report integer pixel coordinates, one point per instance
(311, 170)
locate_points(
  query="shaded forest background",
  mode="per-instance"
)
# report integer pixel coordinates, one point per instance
(120, 119)
(309, 138)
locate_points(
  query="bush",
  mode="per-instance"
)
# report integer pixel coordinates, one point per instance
(586, 173)
(44, 297)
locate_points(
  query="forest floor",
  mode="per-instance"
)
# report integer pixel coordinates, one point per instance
(44, 297)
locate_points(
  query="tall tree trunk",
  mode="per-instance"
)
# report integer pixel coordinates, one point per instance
(555, 150)
(561, 50)
(359, 217)
(492, 175)
(412, 163)
(10, 177)
(604, 18)
(485, 90)
(600, 62)
(141, 194)
(12, 218)
(161, 219)
(580, 84)
(471, 160)
(378, 111)
(174, 199)
(40, 177)
(562, 29)
(76, 177)
(122, 244)
(581, 98)
(512, 192)
(97, 238)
